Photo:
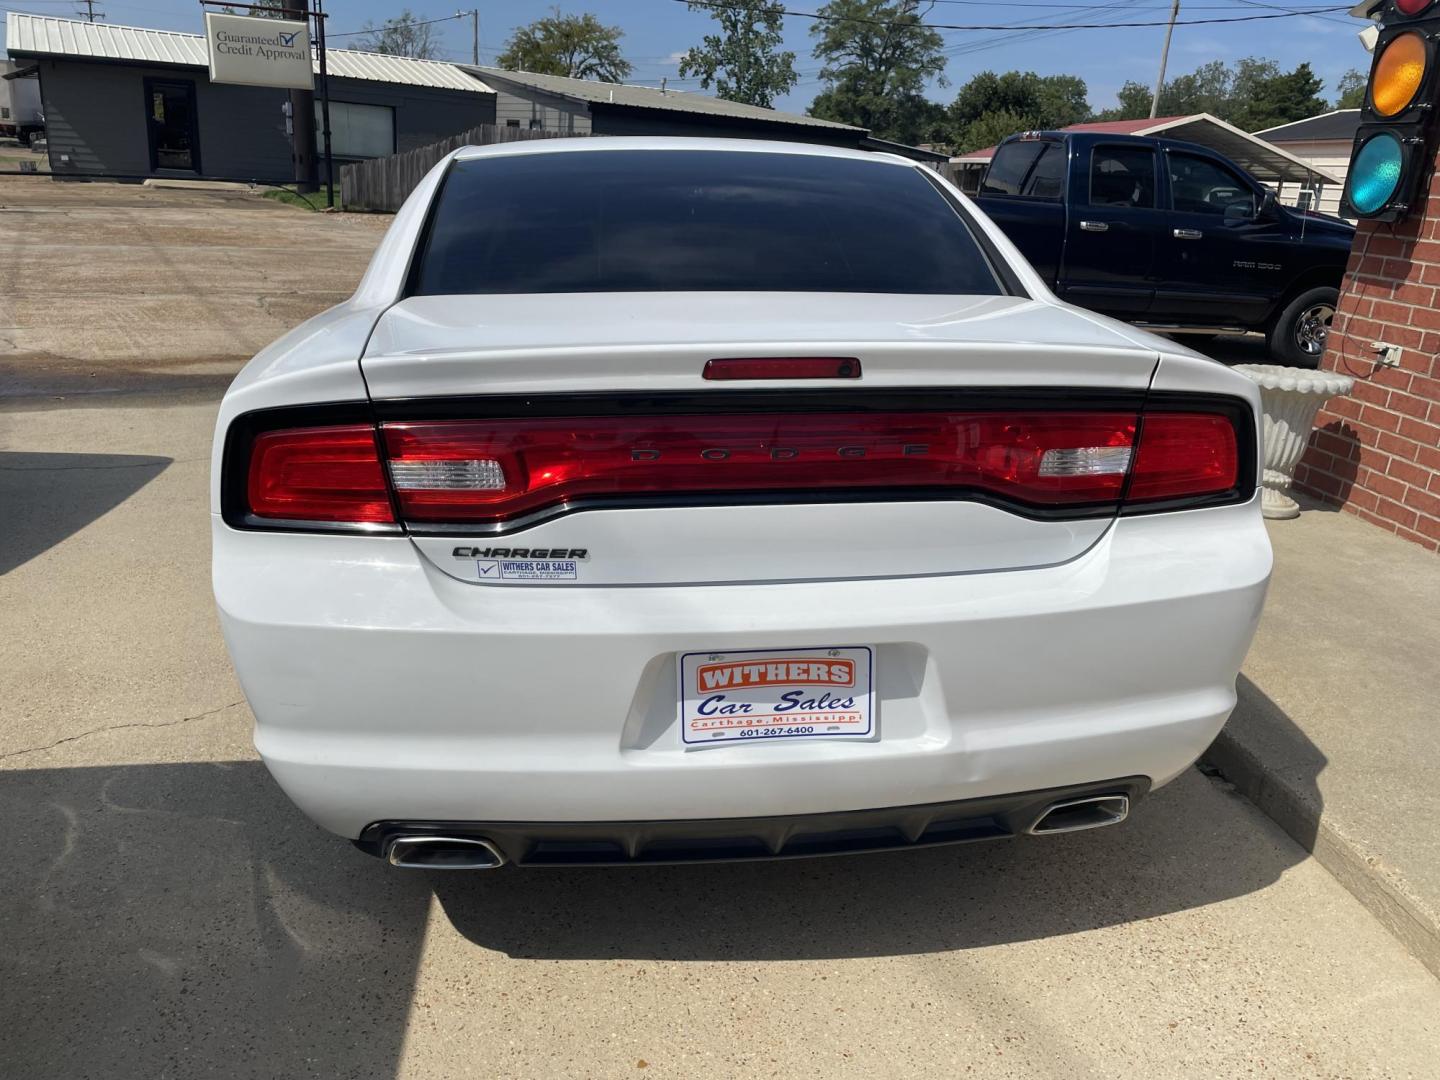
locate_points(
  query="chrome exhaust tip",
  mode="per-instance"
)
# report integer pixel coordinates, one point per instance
(443, 853)
(1077, 815)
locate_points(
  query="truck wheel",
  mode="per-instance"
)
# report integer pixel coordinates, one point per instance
(1298, 337)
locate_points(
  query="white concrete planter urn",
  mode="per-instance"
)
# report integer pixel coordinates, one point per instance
(1289, 398)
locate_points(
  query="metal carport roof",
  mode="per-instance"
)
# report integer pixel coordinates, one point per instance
(1263, 160)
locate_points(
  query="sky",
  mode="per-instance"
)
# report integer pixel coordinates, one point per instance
(657, 33)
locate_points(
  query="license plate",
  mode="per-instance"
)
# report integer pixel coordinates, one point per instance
(770, 694)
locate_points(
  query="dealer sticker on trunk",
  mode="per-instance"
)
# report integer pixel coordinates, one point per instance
(762, 694)
(527, 569)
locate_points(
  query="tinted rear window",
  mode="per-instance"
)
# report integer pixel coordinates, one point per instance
(658, 220)
(1009, 166)
(1047, 178)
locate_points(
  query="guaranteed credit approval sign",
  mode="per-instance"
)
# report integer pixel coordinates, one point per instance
(259, 52)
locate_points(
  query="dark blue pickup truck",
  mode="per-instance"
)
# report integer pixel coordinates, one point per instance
(1170, 235)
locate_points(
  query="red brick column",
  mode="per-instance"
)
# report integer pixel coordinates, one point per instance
(1377, 452)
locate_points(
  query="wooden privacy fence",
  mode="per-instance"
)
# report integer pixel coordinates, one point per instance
(384, 183)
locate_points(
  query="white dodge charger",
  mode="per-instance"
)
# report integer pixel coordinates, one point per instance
(667, 500)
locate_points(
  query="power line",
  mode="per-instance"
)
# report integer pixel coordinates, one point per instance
(1309, 15)
(377, 29)
(810, 77)
(1132, 7)
(1043, 26)
(1051, 30)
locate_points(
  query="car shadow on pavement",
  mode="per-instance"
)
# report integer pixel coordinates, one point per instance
(1166, 858)
(47, 497)
(185, 920)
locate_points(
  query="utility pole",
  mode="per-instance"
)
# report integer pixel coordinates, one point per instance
(1164, 58)
(474, 33)
(302, 116)
(319, 14)
(90, 13)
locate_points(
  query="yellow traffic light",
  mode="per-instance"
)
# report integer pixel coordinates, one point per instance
(1399, 70)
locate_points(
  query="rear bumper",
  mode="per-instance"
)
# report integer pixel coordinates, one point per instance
(384, 690)
(846, 832)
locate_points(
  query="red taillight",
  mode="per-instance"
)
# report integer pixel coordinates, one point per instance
(318, 474)
(498, 470)
(1184, 455)
(507, 470)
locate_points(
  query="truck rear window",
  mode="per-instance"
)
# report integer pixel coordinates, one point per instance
(1031, 168)
(704, 220)
(1009, 167)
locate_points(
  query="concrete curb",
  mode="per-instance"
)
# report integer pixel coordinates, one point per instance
(199, 185)
(1363, 876)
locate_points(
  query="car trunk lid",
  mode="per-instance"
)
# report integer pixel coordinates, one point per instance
(575, 439)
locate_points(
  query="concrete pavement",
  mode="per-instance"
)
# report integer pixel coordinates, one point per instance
(1335, 734)
(166, 912)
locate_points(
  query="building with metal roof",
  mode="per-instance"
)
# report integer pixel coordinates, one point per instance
(1325, 141)
(584, 107)
(625, 96)
(1338, 125)
(37, 35)
(129, 102)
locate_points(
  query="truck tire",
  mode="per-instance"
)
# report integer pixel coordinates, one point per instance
(1298, 336)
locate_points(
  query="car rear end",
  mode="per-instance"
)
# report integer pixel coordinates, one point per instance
(686, 501)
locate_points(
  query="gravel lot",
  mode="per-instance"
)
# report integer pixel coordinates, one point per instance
(120, 286)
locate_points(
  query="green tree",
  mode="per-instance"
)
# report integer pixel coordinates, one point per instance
(741, 61)
(991, 106)
(877, 56)
(989, 130)
(1133, 103)
(1269, 98)
(580, 46)
(1209, 88)
(404, 35)
(1254, 94)
(1350, 90)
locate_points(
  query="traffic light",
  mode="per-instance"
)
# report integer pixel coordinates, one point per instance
(1393, 146)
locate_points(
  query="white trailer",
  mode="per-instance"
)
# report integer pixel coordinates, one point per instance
(21, 115)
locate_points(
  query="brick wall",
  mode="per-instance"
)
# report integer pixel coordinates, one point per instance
(1377, 452)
